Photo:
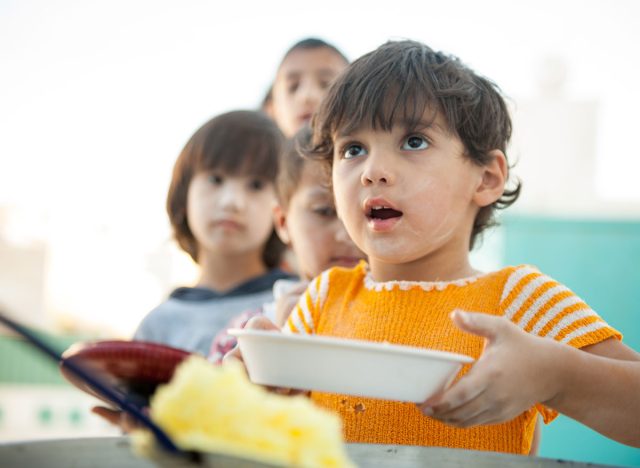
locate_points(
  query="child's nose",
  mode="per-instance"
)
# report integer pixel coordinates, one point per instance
(232, 196)
(376, 171)
(310, 94)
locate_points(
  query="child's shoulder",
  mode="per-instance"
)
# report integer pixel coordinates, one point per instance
(509, 276)
(507, 272)
(512, 275)
(338, 277)
(337, 273)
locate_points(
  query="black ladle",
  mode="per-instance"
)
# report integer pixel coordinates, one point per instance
(96, 383)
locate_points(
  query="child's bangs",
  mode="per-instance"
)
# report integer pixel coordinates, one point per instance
(384, 98)
(386, 111)
(251, 157)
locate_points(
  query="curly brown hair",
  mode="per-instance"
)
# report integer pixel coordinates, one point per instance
(400, 81)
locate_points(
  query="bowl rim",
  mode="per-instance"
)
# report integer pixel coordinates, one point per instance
(350, 343)
(83, 348)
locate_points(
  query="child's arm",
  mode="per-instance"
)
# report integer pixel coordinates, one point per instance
(288, 300)
(598, 385)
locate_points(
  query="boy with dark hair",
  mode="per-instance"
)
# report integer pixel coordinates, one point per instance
(416, 143)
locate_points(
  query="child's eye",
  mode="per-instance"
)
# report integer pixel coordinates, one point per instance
(353, 151)
(293, 86)
(216, 179)
(325, 211)
(415, 142)
(256, 184)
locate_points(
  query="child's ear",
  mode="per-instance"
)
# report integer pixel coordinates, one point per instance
(280, 224)
(267, 108)
(494, 178)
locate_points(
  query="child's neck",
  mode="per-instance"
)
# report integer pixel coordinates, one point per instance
(223, 273)
(429, 270)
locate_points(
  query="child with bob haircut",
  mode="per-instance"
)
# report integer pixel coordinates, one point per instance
(416, 141)
(303, 77)
(306, 220)
(219, 203)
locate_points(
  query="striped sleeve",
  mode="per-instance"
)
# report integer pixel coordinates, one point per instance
(543, 307)
(301, 320)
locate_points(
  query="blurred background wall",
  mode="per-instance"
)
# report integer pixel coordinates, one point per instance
(98, 98)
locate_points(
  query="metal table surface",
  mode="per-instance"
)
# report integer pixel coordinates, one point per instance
(107, 452)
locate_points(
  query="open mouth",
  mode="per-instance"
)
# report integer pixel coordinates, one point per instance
(383, 212)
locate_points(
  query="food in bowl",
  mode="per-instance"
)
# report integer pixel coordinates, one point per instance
(346, 366)
(208, 408)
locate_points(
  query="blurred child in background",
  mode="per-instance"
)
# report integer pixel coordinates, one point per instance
(306, 220)
(303, 77)
(220, 205)
(304, 74)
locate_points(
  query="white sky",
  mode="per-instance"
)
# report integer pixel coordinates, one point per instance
(98, 97)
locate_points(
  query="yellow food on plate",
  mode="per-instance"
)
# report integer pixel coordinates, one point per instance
(210, 408)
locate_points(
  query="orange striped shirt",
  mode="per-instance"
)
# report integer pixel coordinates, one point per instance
(349, 303)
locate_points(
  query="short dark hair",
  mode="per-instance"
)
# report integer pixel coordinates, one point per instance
(238, 143)
(304, 44)
(397, 83)
(313, 43)
(292, 165)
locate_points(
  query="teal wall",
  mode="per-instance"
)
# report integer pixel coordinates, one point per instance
(21, 363)
(600, 261)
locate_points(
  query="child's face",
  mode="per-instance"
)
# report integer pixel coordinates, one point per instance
(301, 82)
(230, 214)
(406, 198)
(310, 225)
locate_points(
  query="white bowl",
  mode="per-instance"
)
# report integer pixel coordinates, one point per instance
(344, 366)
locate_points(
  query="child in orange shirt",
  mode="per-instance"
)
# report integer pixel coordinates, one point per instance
(416, 142)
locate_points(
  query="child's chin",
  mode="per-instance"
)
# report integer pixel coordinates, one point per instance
(345, 262)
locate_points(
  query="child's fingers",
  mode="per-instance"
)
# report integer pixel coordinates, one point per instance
(459, 415)
(480, 419)
(110, 415)
(233, 355)
(287, 391)
(128, 423)
(469, 388)
(260, 322)
(488, 326)
(116, 417)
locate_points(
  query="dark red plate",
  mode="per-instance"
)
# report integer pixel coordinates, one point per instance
(133, 368)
